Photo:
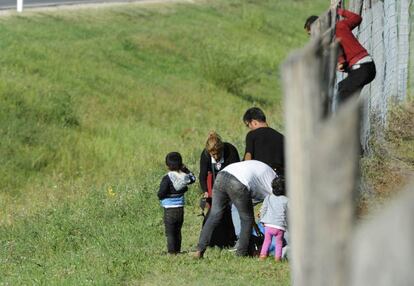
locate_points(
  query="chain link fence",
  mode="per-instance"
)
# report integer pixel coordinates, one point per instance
(385, 32)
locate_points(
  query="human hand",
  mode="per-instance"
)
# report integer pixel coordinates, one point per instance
(341, 67)
(185, 169)
(205, 195)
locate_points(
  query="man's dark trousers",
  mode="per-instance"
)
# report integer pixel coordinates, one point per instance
(356, 80)
(227, 188)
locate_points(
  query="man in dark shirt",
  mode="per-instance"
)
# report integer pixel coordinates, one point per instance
(262, 142)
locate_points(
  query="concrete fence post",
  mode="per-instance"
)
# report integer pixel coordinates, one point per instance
(19, 6)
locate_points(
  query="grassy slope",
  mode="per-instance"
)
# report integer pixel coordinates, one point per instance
(92, 100)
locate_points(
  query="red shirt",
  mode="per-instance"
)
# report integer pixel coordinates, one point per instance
(353, 51)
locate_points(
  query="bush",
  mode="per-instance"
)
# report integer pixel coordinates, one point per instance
(229, 69)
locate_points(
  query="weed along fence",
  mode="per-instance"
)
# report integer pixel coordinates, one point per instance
(329, 247)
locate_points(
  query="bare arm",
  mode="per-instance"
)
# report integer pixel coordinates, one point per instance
(247, 156)
(249, 151)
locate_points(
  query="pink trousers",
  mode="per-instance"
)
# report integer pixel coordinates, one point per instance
(269, 233)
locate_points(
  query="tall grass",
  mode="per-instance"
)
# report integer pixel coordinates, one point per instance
(91, 100)
(391, 162)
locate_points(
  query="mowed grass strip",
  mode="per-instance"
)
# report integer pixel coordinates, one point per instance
(91, 100)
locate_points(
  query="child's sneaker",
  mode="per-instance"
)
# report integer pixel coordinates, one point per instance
(234, 248)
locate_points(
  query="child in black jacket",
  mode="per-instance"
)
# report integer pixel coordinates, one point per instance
(171, 194)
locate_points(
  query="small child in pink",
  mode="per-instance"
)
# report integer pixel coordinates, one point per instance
(273, 215)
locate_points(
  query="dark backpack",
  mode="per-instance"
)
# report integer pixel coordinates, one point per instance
(256, 241)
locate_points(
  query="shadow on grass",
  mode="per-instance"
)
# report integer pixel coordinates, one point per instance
(252, 99)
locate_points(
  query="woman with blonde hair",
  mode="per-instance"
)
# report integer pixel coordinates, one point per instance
(214, 158)
(216, 155)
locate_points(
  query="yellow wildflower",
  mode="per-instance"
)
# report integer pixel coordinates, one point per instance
(111, 192)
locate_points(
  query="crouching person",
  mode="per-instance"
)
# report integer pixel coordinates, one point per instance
(239, 183)
(171, 194)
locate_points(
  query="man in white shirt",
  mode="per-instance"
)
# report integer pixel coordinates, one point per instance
(239, 183)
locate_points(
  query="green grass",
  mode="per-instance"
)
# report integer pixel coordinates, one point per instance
(93, 99)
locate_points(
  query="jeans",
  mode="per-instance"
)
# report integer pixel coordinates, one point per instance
(173, 221)
(223, 235)
(236, 217)
(227, 188)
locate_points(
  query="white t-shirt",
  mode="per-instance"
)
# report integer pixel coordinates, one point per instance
(255, 175)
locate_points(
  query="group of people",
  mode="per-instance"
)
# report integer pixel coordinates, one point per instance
(232, 187)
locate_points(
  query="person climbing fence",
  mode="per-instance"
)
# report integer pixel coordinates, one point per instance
(353, 58)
